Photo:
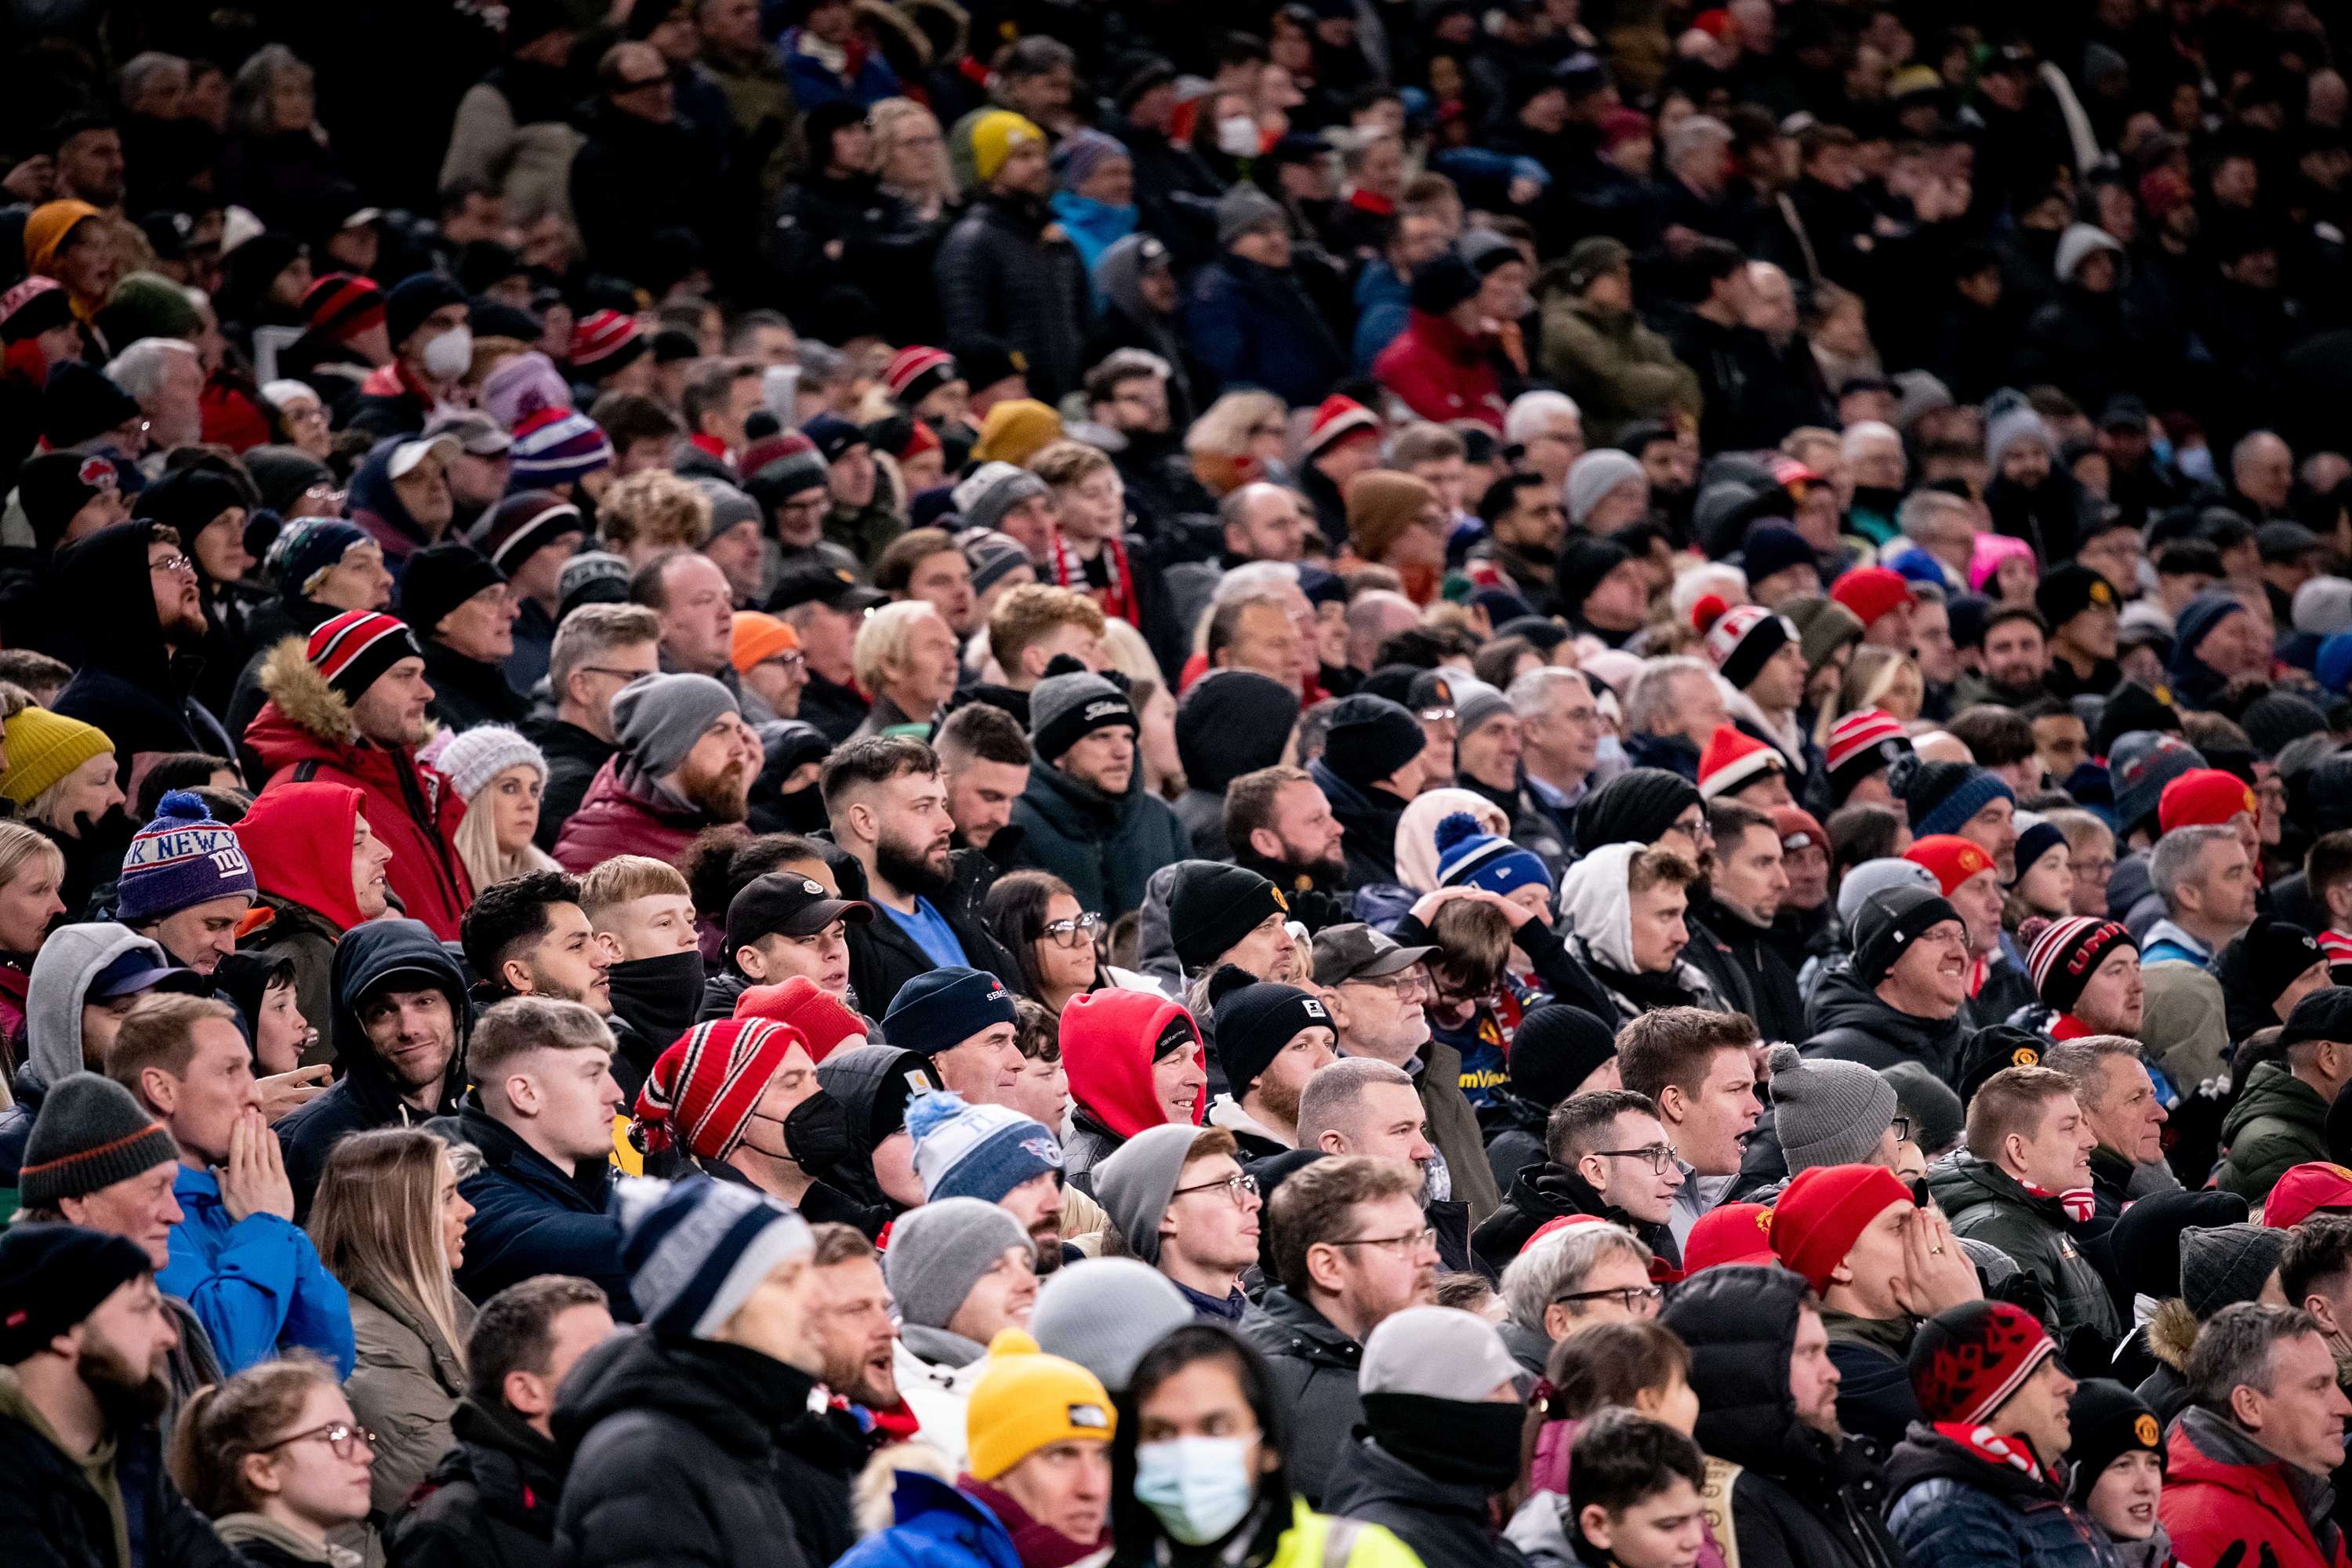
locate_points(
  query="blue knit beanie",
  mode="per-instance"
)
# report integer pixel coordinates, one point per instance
(1469, 856)
(966, 1150)
(1943, 795)
(695, 1250)
(940, 1009)
(181, 859)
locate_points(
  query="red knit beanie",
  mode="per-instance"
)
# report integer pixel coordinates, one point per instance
(1967, 1362)
(822, 1022)
(1821, 1212)
(703, 1090)
(1952, 858)
(2204, 797)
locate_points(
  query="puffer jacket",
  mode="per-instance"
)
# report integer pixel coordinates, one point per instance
(1851, 1024)
(304, 732)
(1987, 1204)
(488, 1503)
(935, 1525)
(531, 1219)
(1447, 1524)
(936, 1371)
(998, 276)
(626, 813)
(405, 1390)
(1315, 1366)
(1442, 373)
(2223, 1493)
(1799, 1498)
(2171, 1336)
(256, 1284)
(1254, 326)
(676, 1457)
(1963, 1500)
(1618, 371)
(1105, 848)
(2280, 1122)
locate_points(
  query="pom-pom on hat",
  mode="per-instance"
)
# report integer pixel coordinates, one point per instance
(1470, 857)
(181, 859)
(1740, 640)
(1733, 760)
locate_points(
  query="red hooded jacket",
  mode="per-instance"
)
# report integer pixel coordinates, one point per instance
(303, 734)
(2212, 1503)
(1109, 1040)
(1442, 373)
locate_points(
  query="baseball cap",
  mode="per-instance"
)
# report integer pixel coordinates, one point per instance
(478, 435)
(134, 970)
(2306, 1190)
(785, 903)
(1357, 951)
(810, 582)
(408, 454)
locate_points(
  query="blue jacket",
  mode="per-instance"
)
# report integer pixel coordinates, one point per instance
(255, 1283)
(1383, 305)
(531, 1219)
(1252, 326)
(937, 1527)
(1956, 1509)
(813, 83)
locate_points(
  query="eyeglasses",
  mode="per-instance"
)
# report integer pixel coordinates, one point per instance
(341, 1435)
(1694, 830)
(172, 564)
(788, 660)
(1237, 1186)
(1410, 1245)
(1901, 1126)
(615, 674)
(1078, 931)
(1657, 1156)
(1410, 985)
(1641, 1300)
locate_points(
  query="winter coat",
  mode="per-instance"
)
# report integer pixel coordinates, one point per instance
(1447, 1524)
(2170, 1337)
(1543, 1191)
(631, 179)
(2279, 1122)
(1755, 965)
(1618, 371)
(365, 1097)
(676, 1457)
(129, 681)
(405, 1390)
(1314, 1366)
(1798, 1499)
(1850, 1023)
(883, 957)
(490, 1502)
(1874, 1395)
(936, 1371)
(298, 840)
(1000, 277)
(2222, 1492)
(1254, 326)
(886, 249)
(1367, 825)
(1986, 1203)
(1442, 373)
(935, 1525)
(57, 1511)
(256, 1284)
(626, 813)
(469, 692)
(575, 757)
(305, 733)
(70, 960)
(1104, 847)
(1958, 1506)
(531, 1219)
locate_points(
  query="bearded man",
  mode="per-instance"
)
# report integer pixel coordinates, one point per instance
(686, 763)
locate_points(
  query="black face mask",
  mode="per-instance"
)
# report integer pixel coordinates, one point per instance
(804, 810)
(1449, 1439)
(1877, 500)
(658, 996)
(817, 1133)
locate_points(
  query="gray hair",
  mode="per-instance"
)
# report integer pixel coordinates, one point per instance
(1559, 1263)
(1333, 1100)
(2080, 826)
(2235, 1350)
(1535, 694)
(2079, 1061)
(884, 638)
(142, 71)
(2177, 855)
(1255, 578)
(1698, 130)
(1652, 694)
(1866, 433)
(249, 107)
(591, 632)
(138, 370)
(1532, 411)
(1922, 510)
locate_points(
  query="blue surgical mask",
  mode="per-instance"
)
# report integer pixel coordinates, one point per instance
(1197, 1488)
(2160, 450)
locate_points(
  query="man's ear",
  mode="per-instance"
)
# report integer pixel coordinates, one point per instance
(1264, 843)
(752, 962)
(1323, 1266)
(1332, 1142)
(516, 976)
(1593, 1519)
(160, 1089)
(1673, 1104)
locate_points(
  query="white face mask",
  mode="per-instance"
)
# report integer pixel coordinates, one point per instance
(1237, 136)
(1197, 1488)
(450, 355)
(780, 390)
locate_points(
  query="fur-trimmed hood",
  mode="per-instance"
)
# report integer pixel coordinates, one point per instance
(2171, 1334)
(302, 698)
(870, 1491)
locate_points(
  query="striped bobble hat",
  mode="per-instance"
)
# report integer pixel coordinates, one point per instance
(703, 1090)
(356, 648)
(341, 305)
(558, 445)
(695, 1250)
(918, 372)
(600, 342)
(1861, 743)
(1740, 639)
(2063, 956)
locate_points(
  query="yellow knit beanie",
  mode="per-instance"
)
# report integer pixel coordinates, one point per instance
(1016, 430)
(1026, 1400)
(993, 137)
(44, 749)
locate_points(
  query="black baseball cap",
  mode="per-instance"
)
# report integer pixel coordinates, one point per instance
(133, 972)
(1357, 951)
(788, 904)
(810, 581)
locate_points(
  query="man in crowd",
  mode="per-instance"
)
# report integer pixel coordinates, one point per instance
(1697, 1067)
(2266, 1421)
(685, 761)
(1901, 999)
(1181, 1202)
(598, 649)
(1607, 1155)
(1086, 815)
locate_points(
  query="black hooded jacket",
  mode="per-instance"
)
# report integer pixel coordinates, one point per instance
(469, 692)
(1543, 1191)
(488, 1503)
(1444, 1522)
(1800, 1500)
(129, 681)
(1851, 1024)
(365, 1097)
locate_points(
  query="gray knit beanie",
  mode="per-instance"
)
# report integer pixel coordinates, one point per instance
(1105, 1313)
(2224, 1264)
(939, 1252)
(982, 497)
(1137, 1183)
(1436, 1353)
(659, 718)
(1593, 476)
(91, 1133)
(1828, 1112)
(1071, 703)
(1245, 209)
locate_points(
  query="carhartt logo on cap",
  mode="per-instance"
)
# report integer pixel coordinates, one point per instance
(918, 1080)
(1091, 1416)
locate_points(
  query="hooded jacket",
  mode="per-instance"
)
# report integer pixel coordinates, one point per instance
(68, 961)
(531, 1218)
(1594, 904)
(1315, 1367)
(1800, 1499)
(127, 680)
(256, 1284)
(1986, 1203)
(1543, 1191)
(1104, 846)
(1850, 1023)
(115, 1507)
(299, 837)
(488, 1503)
(305, 733)
(365, 1097)
(1111, 1093)
(626, 813)
(1446, 1523)
(2280, 1122)
(375, 506)
(676, 1457)
(2222, 1491)
(1957, 1505)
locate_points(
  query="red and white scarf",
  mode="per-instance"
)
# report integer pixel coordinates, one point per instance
(1117, 600)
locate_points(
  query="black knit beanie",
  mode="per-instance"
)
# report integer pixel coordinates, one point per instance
(1558, 1047)
(1635, 808)
(1370, 738)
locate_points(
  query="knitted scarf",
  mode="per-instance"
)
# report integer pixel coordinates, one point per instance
(1117, 600)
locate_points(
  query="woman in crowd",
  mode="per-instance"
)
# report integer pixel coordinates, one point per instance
(500, 777)
(390, 1223)
(61, 779)
(31, 870)
(277, 1459)
(1056, 943)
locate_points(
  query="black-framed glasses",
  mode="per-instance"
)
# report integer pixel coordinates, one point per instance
(173, 564)
(1641, 1300)
(1077, 931)
(1902, 1128)
(1657, 1156)
(342, 1437)
(1406, 1246)
(1239, 1185)
(1694, 830)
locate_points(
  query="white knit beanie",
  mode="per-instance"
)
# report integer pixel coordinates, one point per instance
(473, 758)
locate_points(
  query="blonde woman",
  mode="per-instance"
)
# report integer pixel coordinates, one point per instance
(389, 1222)
(59, 777)
(1884, 678)
(278, 1461)
(500, 777)
(910, 156)
(32, 869)
(1237, 440)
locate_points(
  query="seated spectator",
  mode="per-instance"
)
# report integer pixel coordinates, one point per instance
(961, 1272)
(1623, 905)
(1204, 1245)
(277, 1459)
(186, 883)
(1085, 815)
(1135, 1060)
(598, 649)
(1270, 1041)
(459, 605)
(642, 916)
(297, 837)
(685, 761)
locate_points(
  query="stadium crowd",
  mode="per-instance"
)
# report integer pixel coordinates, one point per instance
(1349, 784)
